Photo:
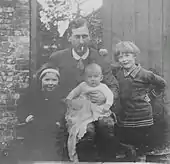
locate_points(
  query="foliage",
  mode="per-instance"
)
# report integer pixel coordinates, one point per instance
(54, 12)
(57, 11)
(96, 28)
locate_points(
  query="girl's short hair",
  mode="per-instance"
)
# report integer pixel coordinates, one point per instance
(126, 47)
(39, 73)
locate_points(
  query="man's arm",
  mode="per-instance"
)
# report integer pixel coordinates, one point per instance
(109, 97)
(110, 80)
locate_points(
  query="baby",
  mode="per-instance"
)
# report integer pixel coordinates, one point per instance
(93, 78)
(81, 109)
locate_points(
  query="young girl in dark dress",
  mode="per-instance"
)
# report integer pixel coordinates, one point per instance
(43, 111)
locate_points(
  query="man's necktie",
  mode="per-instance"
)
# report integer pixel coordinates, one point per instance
(80, 64)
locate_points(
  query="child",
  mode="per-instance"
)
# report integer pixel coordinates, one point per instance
(135, 117)
(81, 109)
(42, 109)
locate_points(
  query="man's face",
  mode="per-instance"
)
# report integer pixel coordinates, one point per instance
(80, 39)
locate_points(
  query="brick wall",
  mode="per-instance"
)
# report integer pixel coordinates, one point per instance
(14, 61)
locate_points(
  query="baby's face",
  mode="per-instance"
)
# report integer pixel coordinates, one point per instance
(93, 77)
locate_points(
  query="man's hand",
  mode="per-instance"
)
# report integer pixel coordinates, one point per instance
(68, 103)
(73, 104)
(97, 97)
(29, 118)
(103, 52)
(76, 104)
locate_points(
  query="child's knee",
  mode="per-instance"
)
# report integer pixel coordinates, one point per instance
(106, 121)
(106, 127)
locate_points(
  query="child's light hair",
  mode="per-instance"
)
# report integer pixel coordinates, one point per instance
(126, 47)
(92, 67)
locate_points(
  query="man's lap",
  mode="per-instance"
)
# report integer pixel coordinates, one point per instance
(97, 133)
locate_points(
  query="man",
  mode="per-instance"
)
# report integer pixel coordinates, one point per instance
(71, 63)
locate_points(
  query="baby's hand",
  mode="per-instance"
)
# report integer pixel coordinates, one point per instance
(106, 107)
(68, 103)
(76, 104)
(72, 104)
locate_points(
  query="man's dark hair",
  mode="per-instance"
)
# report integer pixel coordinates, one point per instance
(77, 23)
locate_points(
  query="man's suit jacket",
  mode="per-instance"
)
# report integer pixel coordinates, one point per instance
(71, 76)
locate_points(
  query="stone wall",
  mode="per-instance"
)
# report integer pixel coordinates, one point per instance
(14, 61)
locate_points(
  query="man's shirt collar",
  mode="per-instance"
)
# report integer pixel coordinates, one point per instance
(77, 57)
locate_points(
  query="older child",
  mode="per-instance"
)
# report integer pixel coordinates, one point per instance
(135, 117)
(41, 108)
(82, 110)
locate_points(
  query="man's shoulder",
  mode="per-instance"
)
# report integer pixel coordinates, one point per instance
(103, 61)
(60, 53)
(94, 53)
(116, 69)
(92, 50)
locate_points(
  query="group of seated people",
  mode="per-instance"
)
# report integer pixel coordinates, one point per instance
(81, 108)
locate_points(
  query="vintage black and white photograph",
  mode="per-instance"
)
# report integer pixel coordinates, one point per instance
(84, 81)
